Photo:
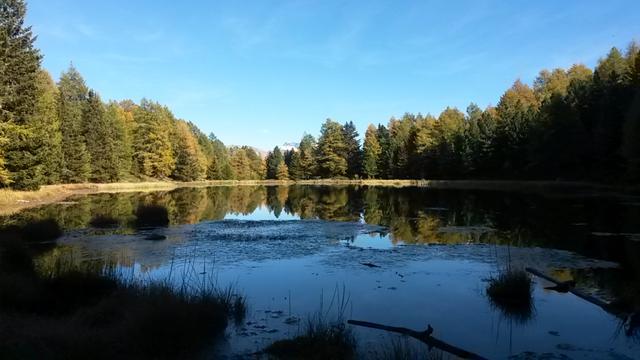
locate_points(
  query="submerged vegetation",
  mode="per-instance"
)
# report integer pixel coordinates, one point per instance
(68, 310)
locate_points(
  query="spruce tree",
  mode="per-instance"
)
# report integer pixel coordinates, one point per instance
(353, 153)
(72, 100)
(20, 147)
(100, 140)
(332, 149)
(384, 161)
(274, 158)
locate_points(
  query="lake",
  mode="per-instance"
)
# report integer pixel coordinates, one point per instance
(404, 256)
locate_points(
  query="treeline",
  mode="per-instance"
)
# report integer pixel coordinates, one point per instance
(577, 124)
(64, 133)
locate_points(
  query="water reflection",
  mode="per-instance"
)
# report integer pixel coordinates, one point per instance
(234, 227)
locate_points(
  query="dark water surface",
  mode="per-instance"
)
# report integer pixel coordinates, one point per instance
(299, 251)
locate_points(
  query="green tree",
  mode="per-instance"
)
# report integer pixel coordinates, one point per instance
(72, 100)
(384, 161)
(332, 148)
(219, 167)
(274, 159)
(121, 123)
(21, 151)
(100, 140)
(307, 163)
(372, 152)
(353, 153)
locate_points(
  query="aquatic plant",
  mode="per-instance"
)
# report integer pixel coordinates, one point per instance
(402, 348)
(321, 339)
(512, 293)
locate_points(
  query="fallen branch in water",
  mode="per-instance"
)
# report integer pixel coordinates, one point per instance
(604, 305)
(424, 336)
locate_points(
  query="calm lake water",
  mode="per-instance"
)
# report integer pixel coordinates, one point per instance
(398, 256)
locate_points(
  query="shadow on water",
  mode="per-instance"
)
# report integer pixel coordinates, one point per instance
(63, 308)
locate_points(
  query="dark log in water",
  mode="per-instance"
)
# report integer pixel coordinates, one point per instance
(424, 336)
(604, 305)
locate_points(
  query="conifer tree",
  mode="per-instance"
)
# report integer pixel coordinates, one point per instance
(372, 152)
(20, 147)
(153, 153)
(46, 120)
(332, 148)
(274, 158)
(384, 161)
(306, 167)
(282, 172)
(353, 153)
(72, 100)
(100, 140)
(121, 123)
(190, 161)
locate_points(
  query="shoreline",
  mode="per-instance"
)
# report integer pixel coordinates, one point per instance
(13, 201)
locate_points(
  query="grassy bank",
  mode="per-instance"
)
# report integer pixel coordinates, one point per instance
(12, 201)
(66, 310)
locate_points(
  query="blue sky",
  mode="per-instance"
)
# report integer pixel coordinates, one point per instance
(264, 72)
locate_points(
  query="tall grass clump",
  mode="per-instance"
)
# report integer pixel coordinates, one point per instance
(320, 340)
(403, 348)
(512, 293)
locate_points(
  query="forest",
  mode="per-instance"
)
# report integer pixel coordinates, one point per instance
(575, 124)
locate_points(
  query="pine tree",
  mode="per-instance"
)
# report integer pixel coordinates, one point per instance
(332, 148)
(72, 100)
(153, 153)
(21, 149)
(372, 152)
(353, 153)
